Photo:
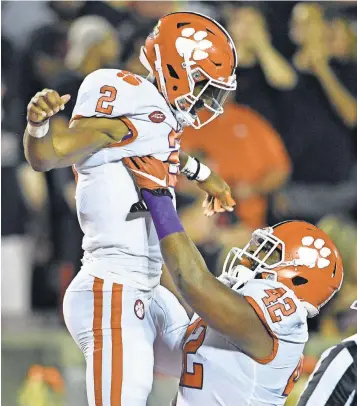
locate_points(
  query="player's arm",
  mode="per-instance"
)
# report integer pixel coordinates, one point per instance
(167, 282)
(45, 150)
(219, 197)
(220, 307)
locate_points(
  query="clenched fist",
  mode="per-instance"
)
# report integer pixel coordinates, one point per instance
(45, 104)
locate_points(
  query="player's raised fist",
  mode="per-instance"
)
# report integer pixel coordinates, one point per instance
(45, 104)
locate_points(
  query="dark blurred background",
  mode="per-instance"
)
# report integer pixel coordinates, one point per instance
(287, 144)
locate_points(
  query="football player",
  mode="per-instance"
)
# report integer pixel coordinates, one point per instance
(245, 342)
(115, 308)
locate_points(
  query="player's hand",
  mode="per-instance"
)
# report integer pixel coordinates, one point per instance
(219, 198)
(45, 104)
(150, 173)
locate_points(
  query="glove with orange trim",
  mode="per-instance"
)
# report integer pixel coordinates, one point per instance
(150, 174)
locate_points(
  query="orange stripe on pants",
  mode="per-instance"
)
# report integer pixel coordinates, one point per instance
(117, 345)
(98, 340)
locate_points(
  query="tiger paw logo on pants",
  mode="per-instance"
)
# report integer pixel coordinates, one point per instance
(193, 44)
(139, 309)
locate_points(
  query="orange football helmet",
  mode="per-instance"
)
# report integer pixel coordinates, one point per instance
(297, 254)
(193, 59)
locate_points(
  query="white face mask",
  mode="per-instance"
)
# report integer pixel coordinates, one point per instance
(258, 252)
(236, 276)
(203, 103)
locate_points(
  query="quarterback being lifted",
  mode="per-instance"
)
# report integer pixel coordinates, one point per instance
(115, 308)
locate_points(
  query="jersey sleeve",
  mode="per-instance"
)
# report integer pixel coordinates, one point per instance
(103, 94)
(280, 311)
(110, 93)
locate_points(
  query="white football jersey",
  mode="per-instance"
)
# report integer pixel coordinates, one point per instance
(216, 372)
(114, 240)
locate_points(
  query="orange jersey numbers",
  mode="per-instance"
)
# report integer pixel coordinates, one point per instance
(286, 309)
(273, 295)
(193, 379)
(109, 95)
(294, 377)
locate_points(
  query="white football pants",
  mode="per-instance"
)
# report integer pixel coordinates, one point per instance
(115, 327)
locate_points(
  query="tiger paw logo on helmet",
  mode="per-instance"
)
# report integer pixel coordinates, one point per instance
(313, 253)
(193, 44)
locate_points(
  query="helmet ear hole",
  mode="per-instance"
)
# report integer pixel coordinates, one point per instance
(179, 25)
(334, 271)
(172, 72)
(299, 280)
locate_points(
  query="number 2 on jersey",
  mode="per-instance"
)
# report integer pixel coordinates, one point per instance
(193, 379)
(109, 95)
(286, 309)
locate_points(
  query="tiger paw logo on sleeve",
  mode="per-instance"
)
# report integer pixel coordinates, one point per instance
(129, 78)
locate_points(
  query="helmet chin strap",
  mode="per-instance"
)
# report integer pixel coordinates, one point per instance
(187, 66)
(144, 60)
(158, 67)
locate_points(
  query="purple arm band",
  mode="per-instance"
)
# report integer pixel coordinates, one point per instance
(163, 214)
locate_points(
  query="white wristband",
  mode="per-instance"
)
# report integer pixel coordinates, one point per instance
(203, 173)
(195, 170)
(38, 131)
(190, 168)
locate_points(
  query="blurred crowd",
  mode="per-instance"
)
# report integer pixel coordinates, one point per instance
(287, 143)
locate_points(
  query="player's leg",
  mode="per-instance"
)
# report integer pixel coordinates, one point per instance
(138, 337)
(117, 344)
(86, 305)
(172, 322)
(164, 390)
(167, 371)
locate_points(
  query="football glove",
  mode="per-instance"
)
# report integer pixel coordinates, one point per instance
(150, 174)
